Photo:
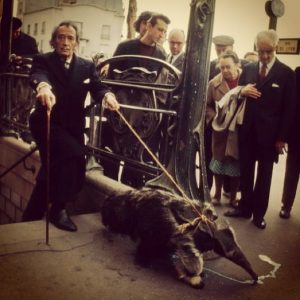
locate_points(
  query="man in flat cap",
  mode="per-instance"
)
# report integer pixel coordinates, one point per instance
(222, 44)
(22, 44)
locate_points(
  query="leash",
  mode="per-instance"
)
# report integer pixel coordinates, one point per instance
(182, 228)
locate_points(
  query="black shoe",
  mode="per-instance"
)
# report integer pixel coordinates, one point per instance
(284, 213)
(260, 223)
(238, 213)
(62, 221)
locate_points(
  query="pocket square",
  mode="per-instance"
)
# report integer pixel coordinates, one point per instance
(87, 81)
(275, 85)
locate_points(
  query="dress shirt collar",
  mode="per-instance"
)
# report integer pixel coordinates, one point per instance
(269, 65)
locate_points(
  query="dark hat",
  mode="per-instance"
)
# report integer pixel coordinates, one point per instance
(223, 40)
(16, 23)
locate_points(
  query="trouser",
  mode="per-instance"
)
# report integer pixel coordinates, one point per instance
(67, 166)
(66, 180)
(291, 178)
(255, 194)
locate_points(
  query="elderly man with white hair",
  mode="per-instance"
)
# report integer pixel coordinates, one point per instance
(269, 92)
(176, 40)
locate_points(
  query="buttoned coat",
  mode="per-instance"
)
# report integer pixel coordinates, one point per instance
(270, 116)
(217, 88)
(67, 119)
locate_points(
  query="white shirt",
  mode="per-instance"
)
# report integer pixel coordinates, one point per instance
(268, 66)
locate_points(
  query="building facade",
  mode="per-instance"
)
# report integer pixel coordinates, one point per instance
(99, 22)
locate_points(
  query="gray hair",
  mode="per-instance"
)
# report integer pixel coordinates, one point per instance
(176, 30)
(268, 36)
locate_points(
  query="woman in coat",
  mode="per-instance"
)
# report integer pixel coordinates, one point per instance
(222, 164)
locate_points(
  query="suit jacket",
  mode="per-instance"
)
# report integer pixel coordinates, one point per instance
(294, 136)
(269, 117)
(179, 61)
(69, 86)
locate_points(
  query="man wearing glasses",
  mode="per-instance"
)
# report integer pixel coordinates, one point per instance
(269, 92)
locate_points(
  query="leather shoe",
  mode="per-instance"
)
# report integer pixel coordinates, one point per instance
(260, 223)
(62, 221)
(284, 213)
(238, 213)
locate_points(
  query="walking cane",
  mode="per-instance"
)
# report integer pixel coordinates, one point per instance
(47, 174)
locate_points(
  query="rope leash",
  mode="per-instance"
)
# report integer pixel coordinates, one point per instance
(182, 228)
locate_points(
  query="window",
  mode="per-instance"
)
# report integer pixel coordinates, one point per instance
(35, 30)
(43, 30)
(105, 32)
(28, 29)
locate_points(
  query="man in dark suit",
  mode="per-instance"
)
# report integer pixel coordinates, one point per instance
(176, 40)
(22, 44)
(269, 91)
(62, 80)
(292, 169)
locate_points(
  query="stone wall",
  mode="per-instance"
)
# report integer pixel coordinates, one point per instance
(16, 186)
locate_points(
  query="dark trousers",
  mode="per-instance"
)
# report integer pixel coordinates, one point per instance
(255, 194)
(65, 182)
(67, 167)
(291, 178)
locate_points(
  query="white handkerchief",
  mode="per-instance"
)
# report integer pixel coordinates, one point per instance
(275, 85)
(87, 81)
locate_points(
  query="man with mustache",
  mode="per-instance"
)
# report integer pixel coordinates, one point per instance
(62, 81)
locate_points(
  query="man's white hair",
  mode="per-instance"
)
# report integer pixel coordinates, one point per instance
(267, 36)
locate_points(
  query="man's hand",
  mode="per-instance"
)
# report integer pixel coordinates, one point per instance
(46, 97)
(251, 91)
(110, 101)
(280, 147)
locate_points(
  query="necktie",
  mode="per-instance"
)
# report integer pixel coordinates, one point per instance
(171, 59)
(263, 71)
